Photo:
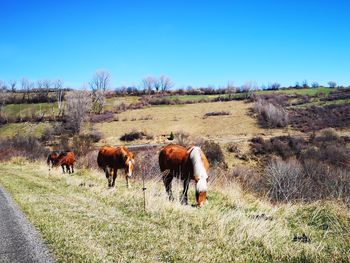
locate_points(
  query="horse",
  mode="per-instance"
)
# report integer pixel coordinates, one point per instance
(110, 159)
(67, 159)
(186, 164)
(53, 158)
(63, 159)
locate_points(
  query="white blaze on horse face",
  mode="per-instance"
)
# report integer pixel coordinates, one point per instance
(199, 170)
(130, 169)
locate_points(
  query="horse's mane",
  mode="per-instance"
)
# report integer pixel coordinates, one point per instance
(199, 171)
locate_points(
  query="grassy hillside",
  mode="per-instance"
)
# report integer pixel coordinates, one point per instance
(81, 220)
(171, 118)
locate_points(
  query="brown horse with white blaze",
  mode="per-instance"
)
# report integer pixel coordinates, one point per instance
(110, 159)
(186, 164)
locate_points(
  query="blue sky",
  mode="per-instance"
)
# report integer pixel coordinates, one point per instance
(196, 43)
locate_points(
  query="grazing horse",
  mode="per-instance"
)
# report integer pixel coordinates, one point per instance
(63, 159)
(67, 159)
(52, 158)
(185, 164)
(110, 159)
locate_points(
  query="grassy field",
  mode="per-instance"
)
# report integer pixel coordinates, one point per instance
(310, 91)
(15, 110)
(83, 221)
(22, 128)
(188, 118)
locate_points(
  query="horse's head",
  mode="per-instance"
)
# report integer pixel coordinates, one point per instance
(200, 166)
(129, 162)
(201, 191)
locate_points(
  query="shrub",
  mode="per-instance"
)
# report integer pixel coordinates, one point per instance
(182, 138)
(283, 179)
(135, 135)
(82, 144)
(26, 146)
(215, 113)
(107, 116)
(270, 115)
(213, 152)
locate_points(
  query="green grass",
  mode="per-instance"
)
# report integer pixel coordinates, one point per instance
(91, 223)
(15, 110)
(309, 91)
(11, 129)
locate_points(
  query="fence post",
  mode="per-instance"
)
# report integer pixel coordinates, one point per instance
(143, 188)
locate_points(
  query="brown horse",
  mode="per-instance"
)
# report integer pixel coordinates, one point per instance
(61, 158)
(110, 159)
(67, 159)
(185, 164)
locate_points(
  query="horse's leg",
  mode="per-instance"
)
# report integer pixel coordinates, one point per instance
(167, 179)
(108, 176)
(72, 168)
(127, 180)
(68, 168)
(63, 168)
(184, 199)
(115, 173)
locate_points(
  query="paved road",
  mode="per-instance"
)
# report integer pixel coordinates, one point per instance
(19, 241)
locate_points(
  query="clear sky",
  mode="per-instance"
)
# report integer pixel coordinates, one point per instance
(196, 43)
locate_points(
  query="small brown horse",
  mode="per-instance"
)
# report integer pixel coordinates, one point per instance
(185, 164)
(67, 159)
(63, 159)
(110, 159)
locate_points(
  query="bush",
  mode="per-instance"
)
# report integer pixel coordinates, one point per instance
(25, 146)
(269, 115)
(213, 152)
(107, 116)
(215, 113)
(308, 180)
(82, 144)
(135, 135)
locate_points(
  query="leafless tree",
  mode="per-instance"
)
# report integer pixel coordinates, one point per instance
(148, 83)
(46, 84)
(314, 85)
(274, 86)
(165, 83)
(332, 84)
(12, 84)
(100, 82)
(58, 85)
(78, 105)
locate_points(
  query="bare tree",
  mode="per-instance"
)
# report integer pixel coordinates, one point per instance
(305, 84)
(12, 84)
(314, 85)
(332, 84)
(58, 85)
(274, 86)
(26, 86)
(78, 105)
(101, 81)
(165, 83)
(148, 83)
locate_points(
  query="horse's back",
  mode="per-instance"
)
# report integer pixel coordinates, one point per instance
(172, 157)
(109, 156)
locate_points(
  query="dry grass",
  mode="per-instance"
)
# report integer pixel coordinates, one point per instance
(166, 119)
(82, 220)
